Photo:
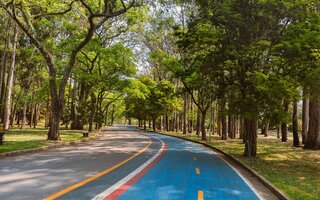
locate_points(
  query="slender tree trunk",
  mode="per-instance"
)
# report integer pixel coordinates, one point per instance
(31, 115)
(160, 124)
(241, 129)
(223, 119)
(167, 123)
(296, 141)
(4, 64)
(305, 119)
(7, 106)
(177, 123)
(236, 130)
(18, 117)
(154, 126)
(265, 127)
(47, 115)
(210, 120)
(93, 111)
(185, 113)
(198, 125)
(35, 118)
(203, 125)
(284, 127)
(219, 125)
(112, 115)
(231, 126)
(24, 112)
(313, 139)
(214, 118)
(13, 114)
(250, 128)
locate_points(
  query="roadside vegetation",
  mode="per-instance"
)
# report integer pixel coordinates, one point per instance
(230, 67)
(24, 139)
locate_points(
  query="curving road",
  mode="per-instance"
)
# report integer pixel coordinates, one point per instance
(190, 171)
(123, 164)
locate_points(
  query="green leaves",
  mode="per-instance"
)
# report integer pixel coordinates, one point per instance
(147, 99)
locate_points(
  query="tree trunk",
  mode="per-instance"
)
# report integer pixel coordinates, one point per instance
(313, 139)
(284, 127)
(18, 117)
(56, 110)
(265, 127)
(219, 125)
(185, 113)
(93, 111)
(160, 124)
(241, 128)
(154, 126)
(305, 119)
(198, 124)
(236, 126)
(47, 117)
(190, 123)
(7, 106)
(203, 125)
(223, 119)
(296, 141)
(278, 130)
(178, 124)
(230, 126)
(4, 64)
(112, 115)
(13, 114)
(167, 122)
(31, 115)
(35, 118)
(250, 128)
(213, 128)
(24, 112)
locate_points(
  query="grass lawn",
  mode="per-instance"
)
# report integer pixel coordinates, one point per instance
(293, 170)
(22, 139)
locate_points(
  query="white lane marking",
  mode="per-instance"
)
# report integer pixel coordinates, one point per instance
(234, 169)
(117, 185)
(244, 179)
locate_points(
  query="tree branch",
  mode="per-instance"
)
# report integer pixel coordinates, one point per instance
(56, 13)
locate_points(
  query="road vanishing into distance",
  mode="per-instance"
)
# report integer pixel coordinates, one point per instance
(126, 164)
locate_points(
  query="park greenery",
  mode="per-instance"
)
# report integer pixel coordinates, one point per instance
(226, 68)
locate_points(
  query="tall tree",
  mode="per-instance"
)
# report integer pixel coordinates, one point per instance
(7, 105)
(43, 17)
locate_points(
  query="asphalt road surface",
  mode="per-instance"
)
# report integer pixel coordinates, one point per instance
(123, 164)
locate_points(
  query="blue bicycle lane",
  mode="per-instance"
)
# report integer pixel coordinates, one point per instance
(189, 171)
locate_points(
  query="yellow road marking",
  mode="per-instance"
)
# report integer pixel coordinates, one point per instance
(197, 170)
(200, 195)
(92, 178)
(194, 158)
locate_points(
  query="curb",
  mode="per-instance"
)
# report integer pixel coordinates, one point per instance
(265, 182)
(44, 148)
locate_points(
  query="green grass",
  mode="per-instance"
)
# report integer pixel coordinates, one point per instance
(23, 139)
(293, 170)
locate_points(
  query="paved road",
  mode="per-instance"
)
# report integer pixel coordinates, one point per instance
(189, 171)
(36, 176)
(123, 164)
